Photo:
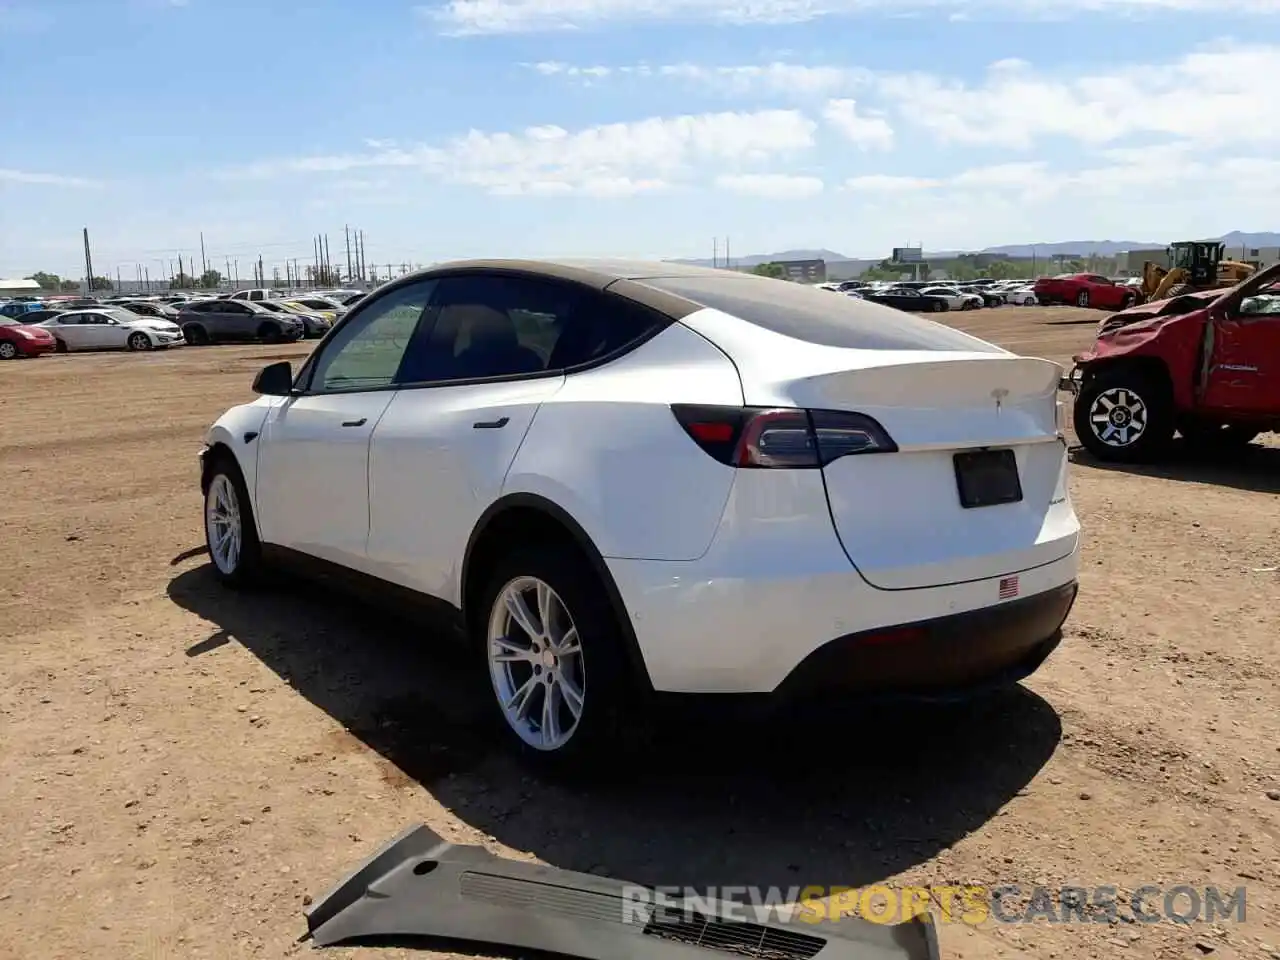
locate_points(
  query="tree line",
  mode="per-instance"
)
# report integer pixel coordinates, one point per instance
(53, 283)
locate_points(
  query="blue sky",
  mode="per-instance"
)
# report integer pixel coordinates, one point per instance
(627, 127)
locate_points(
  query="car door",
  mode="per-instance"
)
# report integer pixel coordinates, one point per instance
(313, 461)
(235, 320)
(75, 330)
(441, 453)
(1244, 373)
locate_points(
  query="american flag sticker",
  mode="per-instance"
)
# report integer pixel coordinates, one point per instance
(1008, 588)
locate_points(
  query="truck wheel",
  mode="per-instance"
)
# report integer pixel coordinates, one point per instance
(1082, 298)
(1124, 415)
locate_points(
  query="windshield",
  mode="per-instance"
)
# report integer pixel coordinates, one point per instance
(1267, 303)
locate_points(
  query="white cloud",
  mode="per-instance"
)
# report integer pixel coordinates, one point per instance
(772, 186)
(616, 159)
(45, 179)
(776, 77)
(515, 16)
(868, 132)
(878, 183)
(1209, 96)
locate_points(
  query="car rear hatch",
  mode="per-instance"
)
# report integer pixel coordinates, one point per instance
(976, 487)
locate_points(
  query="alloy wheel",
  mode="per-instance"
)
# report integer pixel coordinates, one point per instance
(223, 524)
(536, 664)
(1118, 417)
(8, 350)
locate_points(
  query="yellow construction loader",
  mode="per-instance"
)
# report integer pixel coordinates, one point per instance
(1193, 265)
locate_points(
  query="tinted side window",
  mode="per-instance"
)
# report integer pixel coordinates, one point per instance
(491, 325)
(367, 351)
(605, 325)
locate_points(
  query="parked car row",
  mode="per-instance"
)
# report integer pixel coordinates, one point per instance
(30, 327)
(934, 297)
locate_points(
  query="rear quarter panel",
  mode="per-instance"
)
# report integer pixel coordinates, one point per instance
(608, 450)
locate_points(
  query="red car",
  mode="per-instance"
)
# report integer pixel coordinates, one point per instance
(1085, 290)
(1206, 365)
(19, 339)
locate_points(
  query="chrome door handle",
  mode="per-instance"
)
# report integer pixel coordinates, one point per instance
(355, 423)
(491, 424)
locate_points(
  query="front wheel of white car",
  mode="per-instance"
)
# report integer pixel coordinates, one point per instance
(231, 535)
(139, 341)
(555, 657)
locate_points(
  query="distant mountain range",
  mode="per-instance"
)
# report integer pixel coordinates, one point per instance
(1104, 248)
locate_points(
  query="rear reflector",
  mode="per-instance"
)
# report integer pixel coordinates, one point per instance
(780, 437)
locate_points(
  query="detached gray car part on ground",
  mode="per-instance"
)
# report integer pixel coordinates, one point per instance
(420, 885)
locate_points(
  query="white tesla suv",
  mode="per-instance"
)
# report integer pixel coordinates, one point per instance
(635, 477)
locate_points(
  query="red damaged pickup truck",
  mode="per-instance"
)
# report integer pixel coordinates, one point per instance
(1084, 290)
(1206, 365)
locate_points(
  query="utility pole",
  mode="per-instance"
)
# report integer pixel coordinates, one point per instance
(146, 271)
(204, 263)
(262, 277)
(347, 230)
(363, 262)
(315, 273)
(88, 264)
(727, 262)
(182, 277)
(119, 285)
(235, 268)
(296, 279)
(328, 264)
(228, 266)
(715, 252)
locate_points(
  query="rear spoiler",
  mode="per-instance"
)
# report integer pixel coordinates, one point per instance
(419, 885)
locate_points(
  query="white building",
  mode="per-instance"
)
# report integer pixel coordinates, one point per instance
(19, 288)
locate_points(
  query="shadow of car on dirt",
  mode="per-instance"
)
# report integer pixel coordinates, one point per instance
(1254, 468)
(844, 798)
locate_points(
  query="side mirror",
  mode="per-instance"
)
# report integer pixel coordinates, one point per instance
(274, 380)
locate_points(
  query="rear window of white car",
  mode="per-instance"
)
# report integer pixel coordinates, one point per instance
(815, 316)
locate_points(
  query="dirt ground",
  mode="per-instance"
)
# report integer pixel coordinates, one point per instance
(181, 767)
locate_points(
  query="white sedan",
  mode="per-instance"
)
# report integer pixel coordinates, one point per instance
(1021, 296)
(956, 299)
(111, 328)
(626, 478)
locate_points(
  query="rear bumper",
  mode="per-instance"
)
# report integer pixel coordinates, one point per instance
(777, 620)
(944, 658)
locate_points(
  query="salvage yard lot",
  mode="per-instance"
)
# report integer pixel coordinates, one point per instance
(180, 766)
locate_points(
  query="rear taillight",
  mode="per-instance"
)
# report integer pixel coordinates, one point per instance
(774, 437)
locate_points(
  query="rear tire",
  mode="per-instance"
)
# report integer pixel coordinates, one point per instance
(1124, 415)
(59, 346)
(270, 333)
(937, 306)
(1082, 299)
(538, 658)
(231, 534)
